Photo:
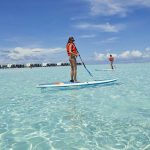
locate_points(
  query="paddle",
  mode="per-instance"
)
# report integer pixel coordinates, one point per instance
(84, 65)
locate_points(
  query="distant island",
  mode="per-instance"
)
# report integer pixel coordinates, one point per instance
(29, 65)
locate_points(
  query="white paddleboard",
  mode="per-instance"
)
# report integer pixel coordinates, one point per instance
(71, 84)
(104, 69)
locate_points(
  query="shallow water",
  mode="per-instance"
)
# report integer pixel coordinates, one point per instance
(96, 118)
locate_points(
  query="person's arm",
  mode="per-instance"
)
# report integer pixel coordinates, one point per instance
(70, 51)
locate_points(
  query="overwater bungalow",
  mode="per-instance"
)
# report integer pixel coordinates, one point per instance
(29, 65)
(44, 64)
(51, 65)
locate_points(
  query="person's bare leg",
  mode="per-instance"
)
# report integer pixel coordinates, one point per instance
(75, 70)
(112, 65)
(71, 71)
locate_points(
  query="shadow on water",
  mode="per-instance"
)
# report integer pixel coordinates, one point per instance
(145, 112)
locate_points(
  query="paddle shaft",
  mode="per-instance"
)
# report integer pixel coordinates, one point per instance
(84, 65)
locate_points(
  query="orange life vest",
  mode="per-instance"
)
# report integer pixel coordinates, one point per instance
(111, 58)
(73, 48)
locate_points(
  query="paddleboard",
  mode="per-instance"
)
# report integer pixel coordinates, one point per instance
(73, 84)
(104, 69)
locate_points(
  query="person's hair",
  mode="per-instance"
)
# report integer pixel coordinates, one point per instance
(71, 39)
(110, 55)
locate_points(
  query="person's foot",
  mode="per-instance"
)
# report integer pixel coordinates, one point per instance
(71, 80)
(76, 81)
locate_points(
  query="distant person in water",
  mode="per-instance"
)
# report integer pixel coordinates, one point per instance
(72, 54)
(111, 59)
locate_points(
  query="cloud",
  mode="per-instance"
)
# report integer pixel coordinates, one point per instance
(99, 56)
(131, 54)
(102, 57)
(116, 7)
(147, 49)
(88, 36)
(136, 54)
(110, 40)
(124, 55)
(147, 53)
(20, 52)
(107, 27)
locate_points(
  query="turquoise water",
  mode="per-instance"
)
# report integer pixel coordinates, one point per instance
(114, 117)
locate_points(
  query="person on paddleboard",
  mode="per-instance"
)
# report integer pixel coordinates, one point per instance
(111, 59)
(72, 54)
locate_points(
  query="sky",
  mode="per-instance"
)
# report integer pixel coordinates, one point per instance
(36, 31)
